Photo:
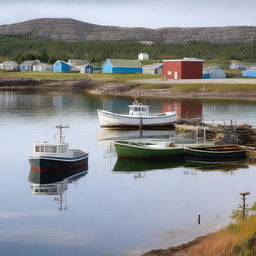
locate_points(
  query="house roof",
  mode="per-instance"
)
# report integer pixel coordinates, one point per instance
(184, 59)
(78, 62)
(153, 66)
(30, 62)
(9, 63)
(210, 68)
(62, 62)
(125, 63)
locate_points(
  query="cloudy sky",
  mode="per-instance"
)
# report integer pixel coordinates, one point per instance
(141, 13)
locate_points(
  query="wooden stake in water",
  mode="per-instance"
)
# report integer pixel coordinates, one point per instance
(244, 194)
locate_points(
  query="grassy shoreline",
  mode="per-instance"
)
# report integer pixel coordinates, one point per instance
(133, 84)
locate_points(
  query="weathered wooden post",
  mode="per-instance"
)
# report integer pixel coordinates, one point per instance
(244, 194)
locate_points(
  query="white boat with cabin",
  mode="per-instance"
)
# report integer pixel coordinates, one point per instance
(138, 117)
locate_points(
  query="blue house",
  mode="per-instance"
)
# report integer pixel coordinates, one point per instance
(61, 66)
(121, 66)
(28, 65)
(249, 73)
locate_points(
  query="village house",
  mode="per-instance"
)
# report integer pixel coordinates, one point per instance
(237, 66)
(28, 65)
(41, 67)
(153, 69)
(213, 73)
(250, 72)
(186, 68)
(61, 66)
(86, 69)
(121, 66)
(9, 65)
(143, 56)
(76, 64)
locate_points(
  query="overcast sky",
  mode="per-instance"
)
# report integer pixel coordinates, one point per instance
(131, 13)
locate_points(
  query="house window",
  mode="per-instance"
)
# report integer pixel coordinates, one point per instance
(169, 73)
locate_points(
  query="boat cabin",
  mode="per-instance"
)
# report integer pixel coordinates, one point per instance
(51, 149)
(138, 109)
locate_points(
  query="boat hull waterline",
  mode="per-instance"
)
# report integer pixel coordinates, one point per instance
(217, 152)
(138, 150)
(111, 120)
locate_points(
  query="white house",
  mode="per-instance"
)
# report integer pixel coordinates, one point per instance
(156, 68)
(143, 56)
(76, 64)
(9, 65)
(41, 67)
(213, 73)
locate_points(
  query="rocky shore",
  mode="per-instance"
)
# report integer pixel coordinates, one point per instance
(124, 89)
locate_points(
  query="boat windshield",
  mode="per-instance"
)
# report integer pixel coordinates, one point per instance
(46, 149)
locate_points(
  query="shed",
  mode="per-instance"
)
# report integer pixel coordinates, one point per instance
(143, 56)
(28, 65)
(121, 66)
(249, 72)
(9, 65)
(186, 68)
(61, 66)
(77, 63)
(154, 69)
(42, 67)
(213, 73)
(86, 69)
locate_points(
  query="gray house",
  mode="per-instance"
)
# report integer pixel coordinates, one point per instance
(213, 73)
(76, 64)
(28, 65)
(154, 69)
(9, 65)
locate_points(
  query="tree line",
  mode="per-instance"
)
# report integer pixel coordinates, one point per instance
(21, 48)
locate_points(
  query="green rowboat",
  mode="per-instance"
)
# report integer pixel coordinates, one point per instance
(146, 150)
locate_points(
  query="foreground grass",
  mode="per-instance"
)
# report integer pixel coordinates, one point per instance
(235, 240)
(75, 76)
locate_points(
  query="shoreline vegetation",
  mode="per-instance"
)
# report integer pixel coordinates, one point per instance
(130, 85)
(237, 239)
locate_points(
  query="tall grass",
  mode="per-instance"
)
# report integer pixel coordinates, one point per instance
(223, 242)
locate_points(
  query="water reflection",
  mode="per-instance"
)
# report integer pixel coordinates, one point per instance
(53, 186)
(222, 166)
(137, 165)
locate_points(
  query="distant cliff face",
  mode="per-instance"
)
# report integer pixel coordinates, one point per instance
(72, 30)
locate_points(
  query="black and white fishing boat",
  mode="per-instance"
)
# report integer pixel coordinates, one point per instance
(56, 159)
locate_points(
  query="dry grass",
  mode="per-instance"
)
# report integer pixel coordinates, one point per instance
(224, 241)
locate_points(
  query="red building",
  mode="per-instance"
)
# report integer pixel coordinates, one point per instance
(187, 68)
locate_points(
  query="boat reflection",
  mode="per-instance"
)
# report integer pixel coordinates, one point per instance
(137, 165)
(55, 186)
(210, 165)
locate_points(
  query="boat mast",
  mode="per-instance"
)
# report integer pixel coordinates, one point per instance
(60, 127)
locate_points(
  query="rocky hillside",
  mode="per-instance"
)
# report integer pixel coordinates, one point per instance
(73, 30)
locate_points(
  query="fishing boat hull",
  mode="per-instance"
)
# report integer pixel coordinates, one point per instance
(215, 152)
(129, 150)
(113, 120)
(53, 169)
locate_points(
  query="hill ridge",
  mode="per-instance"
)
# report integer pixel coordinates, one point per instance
(70, 30)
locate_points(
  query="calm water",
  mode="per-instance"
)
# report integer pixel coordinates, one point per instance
(110, 210)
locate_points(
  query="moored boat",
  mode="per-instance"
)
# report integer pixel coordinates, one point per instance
(147, 150)
(138, 117)
(56, 159)
(215, 152)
